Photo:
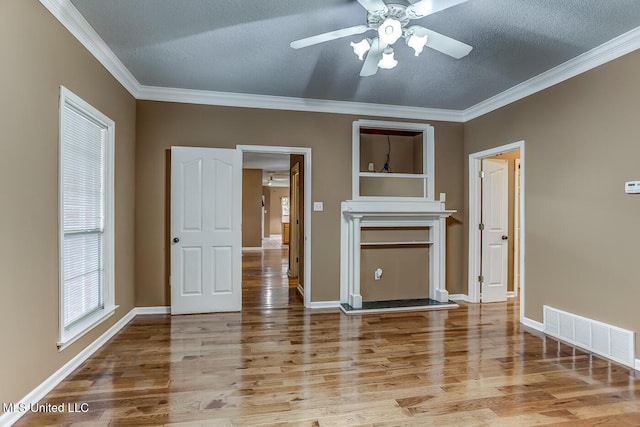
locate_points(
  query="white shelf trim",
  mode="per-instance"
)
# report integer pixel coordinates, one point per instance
(392, 175)
(403, 243)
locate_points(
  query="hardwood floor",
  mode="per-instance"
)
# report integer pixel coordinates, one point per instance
(279, 364)
(264, 280)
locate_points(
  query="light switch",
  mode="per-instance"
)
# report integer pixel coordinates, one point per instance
(318, 206)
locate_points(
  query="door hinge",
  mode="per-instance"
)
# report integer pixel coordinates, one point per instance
(480, 227)
(481, 279)
(481, 174)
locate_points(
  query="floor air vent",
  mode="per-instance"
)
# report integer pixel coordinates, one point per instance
(606, 340)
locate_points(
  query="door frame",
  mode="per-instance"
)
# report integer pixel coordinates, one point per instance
(516, 225)
(473, 286)
(294, 214)
(306, 153)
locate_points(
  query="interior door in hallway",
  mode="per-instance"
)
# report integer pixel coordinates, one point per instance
(294, 222)
(495, 234)
(206, 234)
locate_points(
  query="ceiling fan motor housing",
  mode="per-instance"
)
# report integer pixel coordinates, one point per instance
(396, 9)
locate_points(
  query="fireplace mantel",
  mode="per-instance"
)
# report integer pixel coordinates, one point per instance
(364, 213)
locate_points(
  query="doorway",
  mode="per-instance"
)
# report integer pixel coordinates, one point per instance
(480, 239)
(283, 231)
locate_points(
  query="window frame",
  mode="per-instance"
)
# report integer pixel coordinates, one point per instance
(67, 336)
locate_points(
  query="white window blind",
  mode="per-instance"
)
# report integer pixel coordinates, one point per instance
(83, 155)
(86, 279)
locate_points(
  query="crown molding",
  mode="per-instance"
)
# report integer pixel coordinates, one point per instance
(72, 20)
(69, 16)
(229, 99)
(613, 49)
(65, 12)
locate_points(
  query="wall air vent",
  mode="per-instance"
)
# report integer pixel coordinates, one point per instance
(600, 338)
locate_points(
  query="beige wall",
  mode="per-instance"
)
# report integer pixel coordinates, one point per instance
(251, 208)
(162, 124)
(39, 55)
(581, 145)
(405, 273)
(275, 208)
(403, 153)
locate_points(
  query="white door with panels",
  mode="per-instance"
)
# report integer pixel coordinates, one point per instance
(206, 239)
(495, 212)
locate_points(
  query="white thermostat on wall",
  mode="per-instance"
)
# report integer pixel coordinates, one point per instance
(632, 187)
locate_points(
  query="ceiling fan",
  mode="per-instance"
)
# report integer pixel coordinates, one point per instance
(390, 19)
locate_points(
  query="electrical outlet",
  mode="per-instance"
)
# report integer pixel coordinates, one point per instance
(372, 167)
(377, 275)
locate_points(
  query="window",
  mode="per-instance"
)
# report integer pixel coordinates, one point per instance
(86, 217)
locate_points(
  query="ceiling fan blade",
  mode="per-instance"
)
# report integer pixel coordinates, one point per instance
(331, 35)
(427, 7)
(442, 43)
(370, 66)
(373, 5)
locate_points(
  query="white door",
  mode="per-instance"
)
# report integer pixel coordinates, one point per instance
(206, 239)
(495, 212)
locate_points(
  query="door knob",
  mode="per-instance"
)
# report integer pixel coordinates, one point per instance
(176, 240)
(505, 237)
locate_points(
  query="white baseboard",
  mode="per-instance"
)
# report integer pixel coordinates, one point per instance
(153, 310)
(56, 378)
(301, 291)
(459, 297)
(533, 324)
(324, 304)
(511, 294)
(637, 365)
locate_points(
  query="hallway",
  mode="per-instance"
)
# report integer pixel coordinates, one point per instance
(265, 284)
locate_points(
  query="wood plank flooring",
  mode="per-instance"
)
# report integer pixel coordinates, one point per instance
(278, 364)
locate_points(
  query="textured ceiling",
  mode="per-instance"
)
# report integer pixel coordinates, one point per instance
(242, 46)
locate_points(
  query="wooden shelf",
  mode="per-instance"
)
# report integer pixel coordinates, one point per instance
(392, 175)
(405, 243)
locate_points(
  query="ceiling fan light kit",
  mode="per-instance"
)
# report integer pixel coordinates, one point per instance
(361, 48)
(388, 61)
(389, 18)
(416, 42)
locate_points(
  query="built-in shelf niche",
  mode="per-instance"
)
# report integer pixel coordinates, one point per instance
(409, 174)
